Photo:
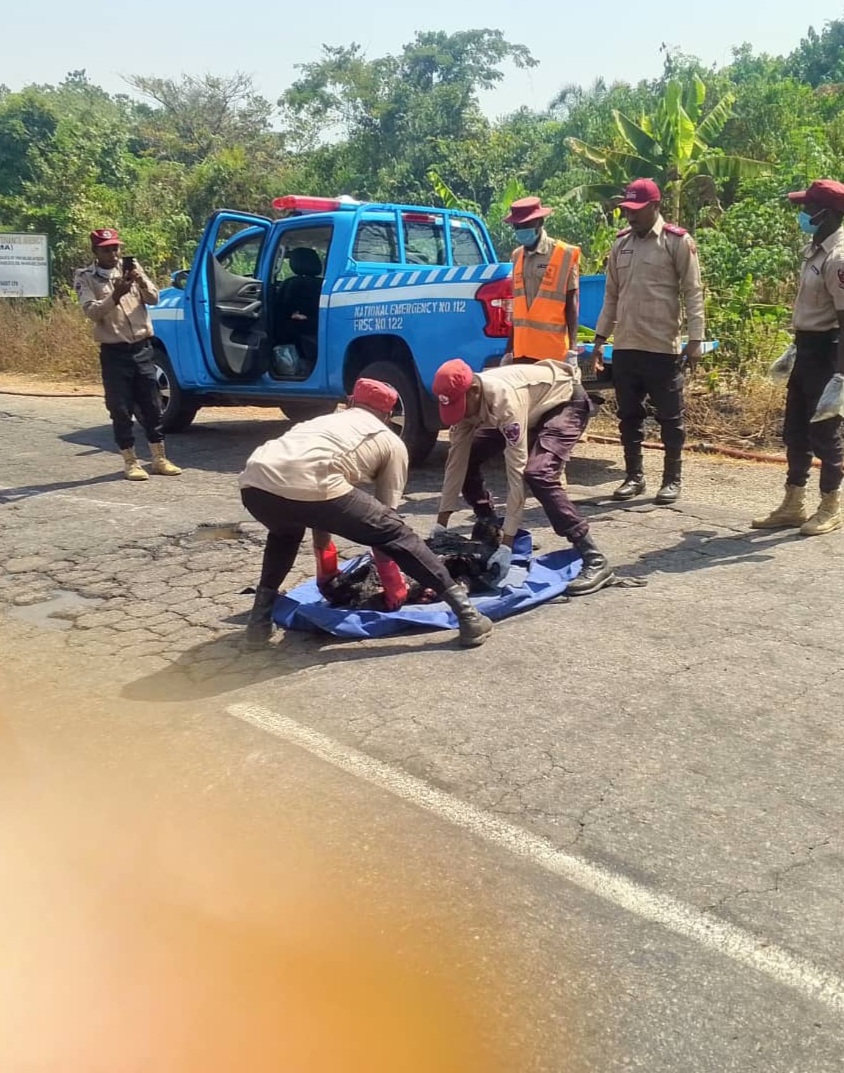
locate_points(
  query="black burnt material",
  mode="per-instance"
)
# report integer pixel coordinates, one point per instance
(465, 559)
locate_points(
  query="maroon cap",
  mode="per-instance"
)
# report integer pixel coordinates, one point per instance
(375, 394)
(824, 192)
(105, 236)
(451, 383)
(639, 193)
(527, 210)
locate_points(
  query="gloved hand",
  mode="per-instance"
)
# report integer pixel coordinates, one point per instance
(498, 564)
(326, 564)
(831, 403)
(780, 370)
(392, 580)
(438, 530)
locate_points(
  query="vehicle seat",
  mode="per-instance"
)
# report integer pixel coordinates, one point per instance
(300, 293)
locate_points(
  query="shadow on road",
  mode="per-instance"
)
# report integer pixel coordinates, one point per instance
(702, 549)
(225, 446)
(220, 666)
(27, 491)
(221, 448)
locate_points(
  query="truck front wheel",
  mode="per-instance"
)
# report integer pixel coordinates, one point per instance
(407, 419)
(177, 409)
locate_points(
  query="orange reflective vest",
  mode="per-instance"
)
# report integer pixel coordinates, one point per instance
(539, 330)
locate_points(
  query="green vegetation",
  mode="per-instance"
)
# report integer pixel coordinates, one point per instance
(727, 143)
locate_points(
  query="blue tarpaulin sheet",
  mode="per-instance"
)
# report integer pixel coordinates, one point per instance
(531, 581)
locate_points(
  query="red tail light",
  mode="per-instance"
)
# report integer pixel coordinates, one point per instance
(497, 298)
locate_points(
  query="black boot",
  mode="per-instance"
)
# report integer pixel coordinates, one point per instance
(672, 475)
(259, 627)
(474, 627)
(595, 573)
(634, 483)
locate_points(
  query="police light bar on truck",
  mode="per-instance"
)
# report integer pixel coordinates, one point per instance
(296, 204)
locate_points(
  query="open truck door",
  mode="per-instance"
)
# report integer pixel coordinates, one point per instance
(227, 296)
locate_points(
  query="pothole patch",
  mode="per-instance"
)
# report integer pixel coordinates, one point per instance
(56, 612)
(210, 531)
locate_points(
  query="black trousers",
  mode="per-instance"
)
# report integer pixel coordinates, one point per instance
(641, 374)
(356, 516)
(813, 369)
(552, 442)
(129, 382)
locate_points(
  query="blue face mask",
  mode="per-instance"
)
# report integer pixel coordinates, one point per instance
(805, 222)
(526, 236)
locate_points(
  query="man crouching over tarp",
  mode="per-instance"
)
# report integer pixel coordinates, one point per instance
(306, 479)
(534, 414)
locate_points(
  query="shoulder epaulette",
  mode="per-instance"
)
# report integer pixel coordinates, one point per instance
(621, 234)
(675, 230)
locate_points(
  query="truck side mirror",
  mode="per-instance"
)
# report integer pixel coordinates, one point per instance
(180, 278)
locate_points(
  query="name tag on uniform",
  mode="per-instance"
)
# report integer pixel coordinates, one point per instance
(625, 253)
(815, 269)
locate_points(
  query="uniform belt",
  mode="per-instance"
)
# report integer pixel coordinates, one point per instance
(137, 345)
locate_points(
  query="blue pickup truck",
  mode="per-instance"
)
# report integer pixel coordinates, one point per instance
(289, 312)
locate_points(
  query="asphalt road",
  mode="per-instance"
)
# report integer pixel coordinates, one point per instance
(610, 839)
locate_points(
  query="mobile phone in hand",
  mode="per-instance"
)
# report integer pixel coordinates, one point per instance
(128, 265)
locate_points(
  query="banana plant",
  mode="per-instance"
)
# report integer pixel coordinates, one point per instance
(674, 146)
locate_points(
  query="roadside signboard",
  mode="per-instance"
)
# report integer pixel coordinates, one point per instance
(24, 266)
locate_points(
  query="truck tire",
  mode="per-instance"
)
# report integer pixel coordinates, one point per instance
(177, 409)
(407, 420)
(296, 410)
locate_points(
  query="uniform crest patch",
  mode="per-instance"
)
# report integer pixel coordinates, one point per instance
(512, 433)
(841, 277)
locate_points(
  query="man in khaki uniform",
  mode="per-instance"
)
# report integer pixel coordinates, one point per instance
(306, 479)
(535, 414)
(116, 301)
(546, 282)
(652, 265)
(818, 322)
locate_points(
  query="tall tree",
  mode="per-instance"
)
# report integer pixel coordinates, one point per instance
(193, 117)
(819, 58)
(398, 114)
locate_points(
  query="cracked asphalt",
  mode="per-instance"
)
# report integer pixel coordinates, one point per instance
(685, 732)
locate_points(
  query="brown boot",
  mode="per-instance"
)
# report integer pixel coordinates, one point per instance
(132, 468)
(826, 518)
(791, 513)
(161, 464)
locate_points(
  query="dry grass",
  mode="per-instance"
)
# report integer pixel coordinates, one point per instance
(47, 341)
(746, 415)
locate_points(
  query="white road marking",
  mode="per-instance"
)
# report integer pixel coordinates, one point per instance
(753, 951)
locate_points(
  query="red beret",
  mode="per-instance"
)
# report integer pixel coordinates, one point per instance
(375, 394)
(105, 236)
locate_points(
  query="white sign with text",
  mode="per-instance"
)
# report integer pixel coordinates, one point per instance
(24, 266)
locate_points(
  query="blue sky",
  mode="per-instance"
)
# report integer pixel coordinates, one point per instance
(574, 42)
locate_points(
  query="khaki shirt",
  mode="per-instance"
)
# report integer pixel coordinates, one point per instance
(536, 263)
(327, 457)
(124, 321)
(820, 295)
(514, 399)
(645, 278)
